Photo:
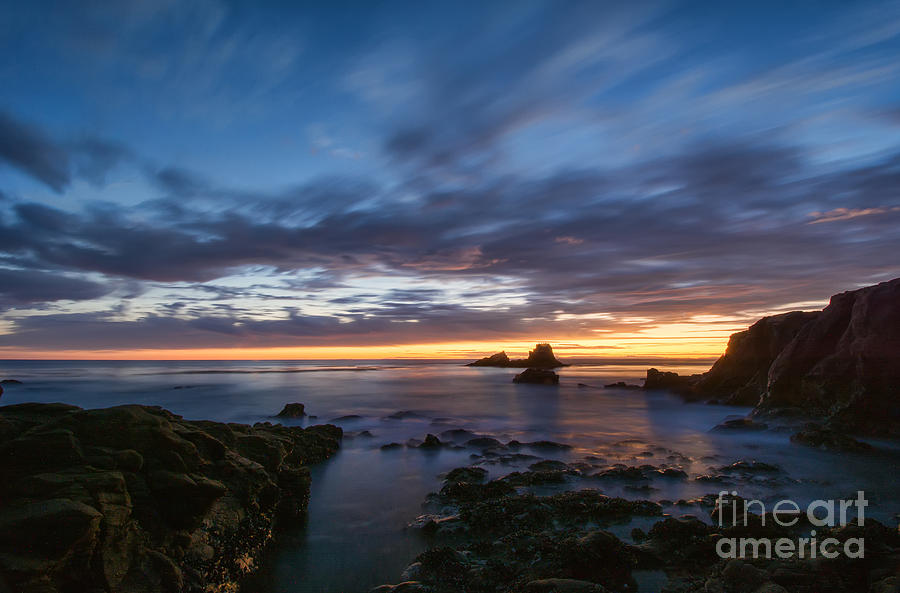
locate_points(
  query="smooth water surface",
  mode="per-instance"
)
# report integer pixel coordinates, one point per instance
(364, 498)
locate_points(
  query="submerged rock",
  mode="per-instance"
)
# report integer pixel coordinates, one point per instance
(537, 376)
(135, 498)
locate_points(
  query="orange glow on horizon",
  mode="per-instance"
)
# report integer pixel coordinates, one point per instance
(684, 340)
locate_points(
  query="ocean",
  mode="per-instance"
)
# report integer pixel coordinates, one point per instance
(364, 500)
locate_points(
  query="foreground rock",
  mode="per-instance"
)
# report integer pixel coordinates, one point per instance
(841, 364)
(537, 377)
(489, 537)
(540, 358)
(135, 498)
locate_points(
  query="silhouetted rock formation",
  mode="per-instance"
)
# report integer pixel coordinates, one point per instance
(740, 375)
(494, 360)
(841, 363)
(293, 410)
(537, 376)
(540, 358)
(619, 385)
(670, 381)
(134, 498)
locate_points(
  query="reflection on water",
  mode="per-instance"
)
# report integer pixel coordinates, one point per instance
(363, 498)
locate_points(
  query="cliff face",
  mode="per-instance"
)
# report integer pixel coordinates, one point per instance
(741, 374)
(845, 363)
(134, 498)
(842, 363)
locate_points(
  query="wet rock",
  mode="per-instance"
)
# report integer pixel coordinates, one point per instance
(536, 478)
(682, 540)
(457, 434)
(548, 446)
(406, 587)
(752, 466)
(621, 385)
(403, 415)
(135, 498)
(431, 442)
(10, 382)
(537, 377)
(548, 465)
(347, 418)
(484, 443)
(294, 410)
(473, 475)
(622, 473)
(563, 586)
(391, 446)
(474, 491)
(814, 435)
(499, 359)
(740, 424)
(670, 381)
(672, 473)
(887, 585)
(362, 434)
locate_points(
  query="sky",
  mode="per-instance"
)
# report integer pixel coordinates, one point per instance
(209, 179)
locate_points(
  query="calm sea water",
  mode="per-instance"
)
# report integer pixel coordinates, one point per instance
(364, 498)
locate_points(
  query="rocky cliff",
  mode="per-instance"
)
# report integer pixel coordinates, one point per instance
(841, 363)
(135, 498)
(540, 358)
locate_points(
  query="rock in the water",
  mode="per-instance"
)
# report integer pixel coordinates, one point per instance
(471, 475)
(10, 382)
(619, 385)
(431, 442)
(741, 424)
(841, 364)
(563, 586)
(293, 410)
(814, 435)
(494, 360)
(135, 498)
(540, 358)
(670, 381)
(537, 376)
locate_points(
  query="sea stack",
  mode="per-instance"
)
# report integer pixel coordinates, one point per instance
(540, 358)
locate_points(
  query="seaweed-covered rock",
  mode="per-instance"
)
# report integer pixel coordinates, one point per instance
(135, 498)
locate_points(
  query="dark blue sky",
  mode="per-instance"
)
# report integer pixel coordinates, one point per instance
(214, 174)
